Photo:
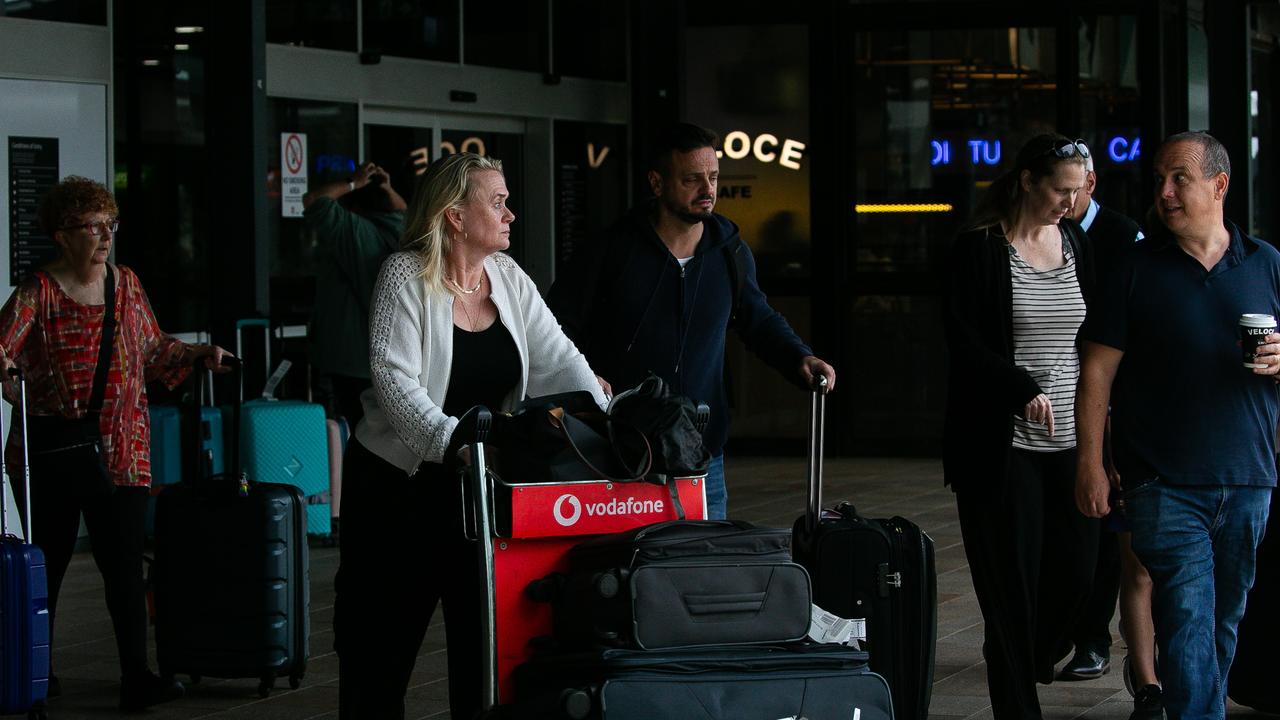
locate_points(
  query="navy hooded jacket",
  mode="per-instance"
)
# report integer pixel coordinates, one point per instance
(631, 309)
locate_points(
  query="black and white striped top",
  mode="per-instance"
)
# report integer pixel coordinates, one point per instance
(1048, 310)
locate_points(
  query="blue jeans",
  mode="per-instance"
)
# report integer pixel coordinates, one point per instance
(717, 495)
(1199, 544)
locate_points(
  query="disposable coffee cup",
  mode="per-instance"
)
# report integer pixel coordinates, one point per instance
(1254, 328)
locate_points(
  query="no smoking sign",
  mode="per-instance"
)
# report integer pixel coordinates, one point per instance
(293, 173)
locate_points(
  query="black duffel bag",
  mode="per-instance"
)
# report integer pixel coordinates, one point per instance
(683, 584)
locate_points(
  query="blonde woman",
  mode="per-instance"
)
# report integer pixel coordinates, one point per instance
(454, 323)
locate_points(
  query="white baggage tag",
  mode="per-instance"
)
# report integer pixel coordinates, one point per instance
(825, 627)
(269, 391)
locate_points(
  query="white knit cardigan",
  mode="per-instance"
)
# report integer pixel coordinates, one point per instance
(411, 354)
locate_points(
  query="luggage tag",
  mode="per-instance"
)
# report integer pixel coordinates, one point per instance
(826, 627)
(269, 390)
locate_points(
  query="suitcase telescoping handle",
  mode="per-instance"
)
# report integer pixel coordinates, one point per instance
(817, 419)
(26, 465)
(474, 427)
(231, 435)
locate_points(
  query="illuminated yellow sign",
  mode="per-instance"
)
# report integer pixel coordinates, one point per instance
(863, 208)
(738, 145)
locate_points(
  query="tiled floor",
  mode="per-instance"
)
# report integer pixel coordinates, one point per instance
(764, 491)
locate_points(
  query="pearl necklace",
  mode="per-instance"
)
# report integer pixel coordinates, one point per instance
(463, 290)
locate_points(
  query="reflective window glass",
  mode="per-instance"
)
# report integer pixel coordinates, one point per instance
(589, 39)
(940, 115)
(86, 12)
(1110, 110)
(591, 182)
(505, 33)
(330, 134)
(427, 29)
(329, 24)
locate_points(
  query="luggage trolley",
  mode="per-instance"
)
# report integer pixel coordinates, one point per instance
(525, 531)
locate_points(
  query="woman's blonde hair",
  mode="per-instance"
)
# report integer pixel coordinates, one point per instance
(447, 185)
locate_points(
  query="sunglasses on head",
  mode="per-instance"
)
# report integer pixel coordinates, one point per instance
(1069, 149)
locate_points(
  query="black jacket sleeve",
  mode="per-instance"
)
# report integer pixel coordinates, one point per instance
(974, 299)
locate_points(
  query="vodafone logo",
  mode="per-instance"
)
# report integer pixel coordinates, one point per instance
(576, 509)
(614, 507)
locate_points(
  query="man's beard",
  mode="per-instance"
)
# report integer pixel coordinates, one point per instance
(688, 213)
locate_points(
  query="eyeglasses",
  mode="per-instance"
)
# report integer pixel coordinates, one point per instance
(1068, 149)
(96, 228)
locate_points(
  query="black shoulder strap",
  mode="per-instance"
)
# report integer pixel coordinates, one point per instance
(737, 278)
(99, 391)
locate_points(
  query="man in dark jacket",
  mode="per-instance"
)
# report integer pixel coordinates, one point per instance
(658, 291)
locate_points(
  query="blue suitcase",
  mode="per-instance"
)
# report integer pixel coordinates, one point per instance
(24, 610)
(170, 452)
(285, 441)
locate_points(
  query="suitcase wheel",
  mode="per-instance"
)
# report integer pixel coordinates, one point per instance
(265, 685)
(295, 681)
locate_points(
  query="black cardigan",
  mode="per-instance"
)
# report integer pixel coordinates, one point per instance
(985, 389)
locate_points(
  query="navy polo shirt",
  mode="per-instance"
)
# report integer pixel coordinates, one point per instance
(1183, 406)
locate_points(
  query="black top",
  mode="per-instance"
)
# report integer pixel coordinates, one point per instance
(985, 388)
(485, 368)
(1182, 407)
(1113, 235)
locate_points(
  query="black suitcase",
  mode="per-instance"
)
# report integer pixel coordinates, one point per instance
(878, 569)
(683, 584)
(231, 578)
(815, 682)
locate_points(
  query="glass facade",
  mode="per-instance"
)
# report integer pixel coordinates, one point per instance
(85, 12)
(162, 174)
(1111, 110)
(750, 84)
(328, 24)
(331, 153)
(589, 39)
(939, 114)
(508, 34)
(590, 182)
(428, 30)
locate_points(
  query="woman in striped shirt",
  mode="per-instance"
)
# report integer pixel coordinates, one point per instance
(1019, 279)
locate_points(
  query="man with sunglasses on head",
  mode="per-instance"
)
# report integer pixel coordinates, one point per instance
(1193, 432)
(660, 289)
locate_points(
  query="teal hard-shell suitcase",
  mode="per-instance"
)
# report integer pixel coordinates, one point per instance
(287, 441)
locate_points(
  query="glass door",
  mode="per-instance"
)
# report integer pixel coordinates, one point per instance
(938, 111)
(406, 142)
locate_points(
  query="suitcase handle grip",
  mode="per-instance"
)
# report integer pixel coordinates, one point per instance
(29, 530)
(721, 603)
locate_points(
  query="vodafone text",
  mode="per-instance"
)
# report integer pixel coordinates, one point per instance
(568, 508)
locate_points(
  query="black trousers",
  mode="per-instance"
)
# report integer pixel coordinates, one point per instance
(116, 525)
(402, 553)
(1093, 626)
(1031, 555)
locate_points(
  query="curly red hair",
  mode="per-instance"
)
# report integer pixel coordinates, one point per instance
(72, 199)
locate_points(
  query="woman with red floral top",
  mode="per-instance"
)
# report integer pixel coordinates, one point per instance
(88, 427)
